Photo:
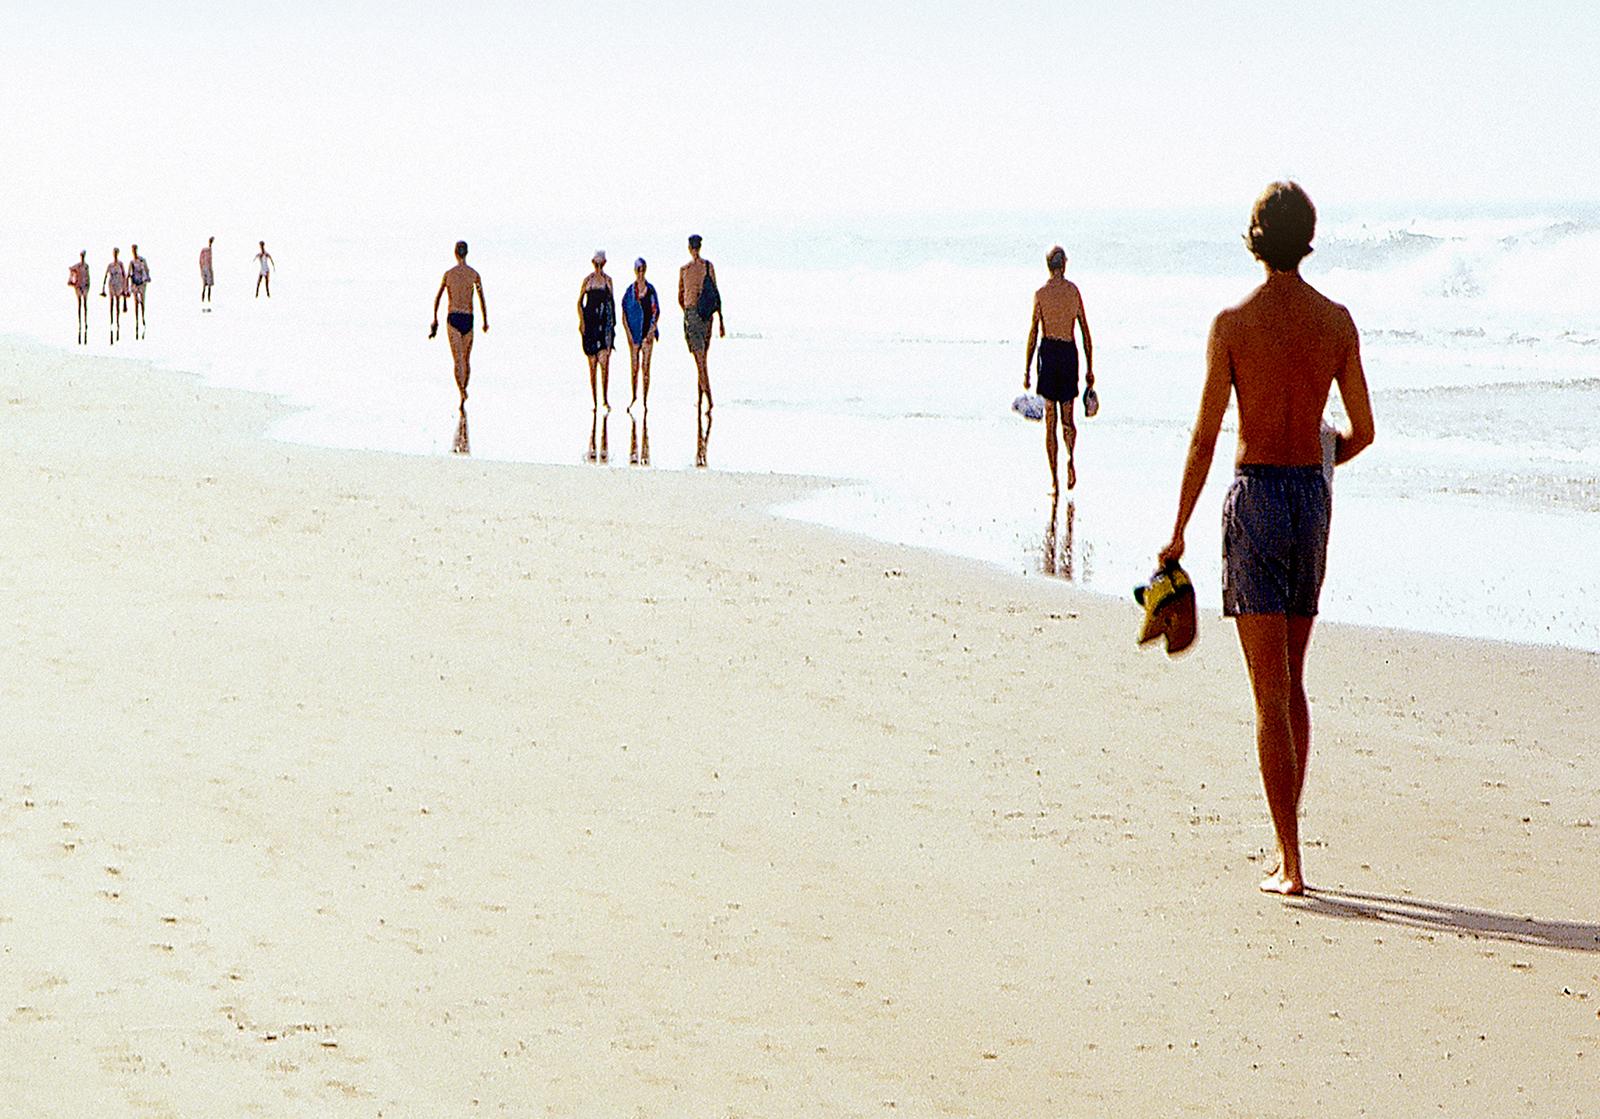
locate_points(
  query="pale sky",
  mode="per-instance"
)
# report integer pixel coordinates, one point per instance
(398, 111)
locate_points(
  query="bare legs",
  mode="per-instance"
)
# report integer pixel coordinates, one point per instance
(139, 323)
(263, 279)
(601, 395)
(116, 318)
(83, 316)
(639, 366)
(1069, 436)
(461, 351)
(704, 393)
(1275, 653)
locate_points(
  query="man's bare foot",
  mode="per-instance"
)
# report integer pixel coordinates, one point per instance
(1277, 882)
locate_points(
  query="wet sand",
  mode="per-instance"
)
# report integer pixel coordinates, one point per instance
(346, 783)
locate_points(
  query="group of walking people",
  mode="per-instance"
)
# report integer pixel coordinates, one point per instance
(699, 298)
(124, 282)
(119, 283)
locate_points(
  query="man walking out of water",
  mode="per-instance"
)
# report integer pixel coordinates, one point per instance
(1058, 308)
(1278, 353)
(697, 312)
(461, 281)
(205, 273)
(78, 281)
(264, 259)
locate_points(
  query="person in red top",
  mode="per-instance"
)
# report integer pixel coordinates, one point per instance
(78, 281)
(206, 274)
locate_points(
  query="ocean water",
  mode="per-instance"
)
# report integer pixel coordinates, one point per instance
(883, 354)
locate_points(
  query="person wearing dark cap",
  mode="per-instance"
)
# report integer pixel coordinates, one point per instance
(460, 281)
(701, 299)
(1057, 310)
(1277, 354)
(641, 311)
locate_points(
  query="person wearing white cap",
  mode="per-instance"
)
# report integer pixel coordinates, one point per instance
(597, 326)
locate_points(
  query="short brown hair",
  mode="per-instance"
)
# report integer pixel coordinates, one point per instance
(1056, 259)
(1282, 223)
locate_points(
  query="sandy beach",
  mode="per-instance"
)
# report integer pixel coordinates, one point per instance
(349, 784)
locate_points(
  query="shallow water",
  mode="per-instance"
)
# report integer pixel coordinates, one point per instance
(888, 359)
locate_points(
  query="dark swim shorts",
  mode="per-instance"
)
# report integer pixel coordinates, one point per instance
(460, 321)
(1058, 369)
(1275, 540)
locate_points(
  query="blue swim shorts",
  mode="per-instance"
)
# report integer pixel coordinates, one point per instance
(1275, 540)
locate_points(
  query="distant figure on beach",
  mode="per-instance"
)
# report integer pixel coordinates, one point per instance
(116, 281)
(78, 281)
(138, 280)
(701, 298)
(1057, 309)
(597, 326)
(206, 274)
(641, 311)
(1278, 353)
(267, 264)
(460, 281)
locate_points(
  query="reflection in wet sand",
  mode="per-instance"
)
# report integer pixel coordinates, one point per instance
(598, 435)
(462, 445)
(639, 439)
(702, 436)
(1054, 561)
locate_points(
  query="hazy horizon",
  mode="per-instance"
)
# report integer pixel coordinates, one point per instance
(658, 113)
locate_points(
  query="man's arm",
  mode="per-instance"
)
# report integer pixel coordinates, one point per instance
(682, 272)
(1357, 404)
(1033, 341)
(1203, 443)
(1088, 345)
(483, 304)
(438, 295)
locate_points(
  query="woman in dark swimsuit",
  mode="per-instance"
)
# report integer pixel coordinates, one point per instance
(597, 323)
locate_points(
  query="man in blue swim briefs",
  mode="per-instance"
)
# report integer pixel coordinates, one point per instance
(461, 281)
(1278, 353)
(1057, 310)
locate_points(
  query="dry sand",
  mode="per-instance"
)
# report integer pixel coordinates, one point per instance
(349, 784)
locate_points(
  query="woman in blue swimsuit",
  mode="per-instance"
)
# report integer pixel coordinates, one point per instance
(641, 311)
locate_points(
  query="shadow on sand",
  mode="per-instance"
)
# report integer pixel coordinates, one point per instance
(1574, 936)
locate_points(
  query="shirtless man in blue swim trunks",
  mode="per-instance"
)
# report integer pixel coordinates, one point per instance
(1278, 353)
(461, 281)
(1057, 309)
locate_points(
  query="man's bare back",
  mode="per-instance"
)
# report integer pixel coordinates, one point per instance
(1284, 346)
(1058, 306)
(691, 277)
(460, 283)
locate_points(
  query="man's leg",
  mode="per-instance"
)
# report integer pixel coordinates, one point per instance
(704, 373)
(1299, 706)
(1265, 641)
(1069, 436)
(459, 361)
(644, 369)
(1050, 443)
(268, 279)
(258, 286)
